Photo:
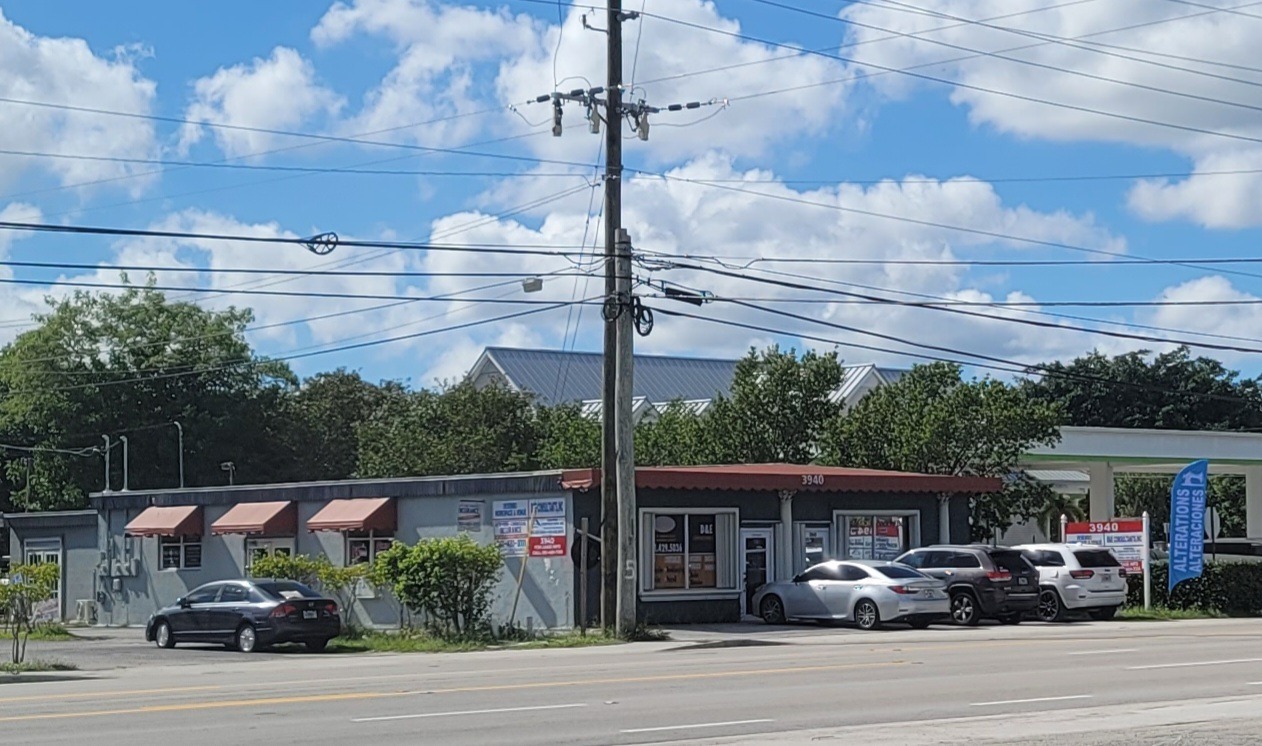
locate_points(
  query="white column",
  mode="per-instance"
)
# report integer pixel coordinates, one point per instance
(1253, 501)
(944, 519)
(1102, 507)
(784, 571)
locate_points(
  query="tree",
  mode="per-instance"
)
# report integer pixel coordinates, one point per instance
(568, 439)
(325, 415)
(28, 587)
(1171, 390)
(678, 436)
(458, 430)
(931, 421)
(780, 406)
(1073, 507)
(132, 363)
(448, 580)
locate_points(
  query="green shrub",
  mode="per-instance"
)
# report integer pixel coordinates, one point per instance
(319, 573)
(448, 581)
(1233, 588)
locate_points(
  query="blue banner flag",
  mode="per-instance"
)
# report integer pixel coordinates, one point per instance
(1187, 522)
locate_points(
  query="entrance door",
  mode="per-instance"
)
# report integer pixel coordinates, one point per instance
(759, 552)
(50, 609)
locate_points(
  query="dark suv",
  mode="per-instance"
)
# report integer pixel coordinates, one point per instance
(984, 581)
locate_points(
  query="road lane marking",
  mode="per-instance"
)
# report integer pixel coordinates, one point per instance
(465, 712)
(116, 693)
(1194, 663)
(351, 696)
(697, 725)
(1104, 652)
(1028, 701)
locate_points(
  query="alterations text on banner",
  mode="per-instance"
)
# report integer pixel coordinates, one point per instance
(1125, 536)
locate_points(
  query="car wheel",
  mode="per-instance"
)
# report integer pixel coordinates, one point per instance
(866, 615)
(772, 610)
(1103, 614)
(919, 623)
(964, 611)
(1010, 619)
(1050, 607)
(317, 646)
(163, 636)
(247, 639)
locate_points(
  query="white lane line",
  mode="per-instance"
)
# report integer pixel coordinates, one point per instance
(697, 725)
(1194, 663)
(1104, 652)
(465, 712)
(1027, 701)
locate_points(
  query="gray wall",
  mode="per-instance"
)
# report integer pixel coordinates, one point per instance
(546, 598)
(79, 552)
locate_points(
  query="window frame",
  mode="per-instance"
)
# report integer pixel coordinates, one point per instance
(727, 551)
(841, 544)
(370, 538)
(270, 544)
(182, 545)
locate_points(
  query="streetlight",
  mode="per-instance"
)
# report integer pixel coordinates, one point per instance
(231, 468)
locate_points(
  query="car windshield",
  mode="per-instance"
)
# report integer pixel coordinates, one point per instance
(1096, 558)
(284, 590)
(896, 572)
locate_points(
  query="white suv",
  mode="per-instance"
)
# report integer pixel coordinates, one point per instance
(1076, 577)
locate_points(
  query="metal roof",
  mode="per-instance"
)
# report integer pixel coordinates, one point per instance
(796, 477)
(557, 376)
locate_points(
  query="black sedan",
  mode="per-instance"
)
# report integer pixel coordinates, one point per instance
(248, 615)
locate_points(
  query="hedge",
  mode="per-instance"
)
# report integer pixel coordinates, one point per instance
(1232, 588)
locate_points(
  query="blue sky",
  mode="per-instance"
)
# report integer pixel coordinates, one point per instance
(797, 131)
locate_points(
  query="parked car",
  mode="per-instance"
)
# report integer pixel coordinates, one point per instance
(866, 593)
(983, 582)
(1076, 577)
(247, 615)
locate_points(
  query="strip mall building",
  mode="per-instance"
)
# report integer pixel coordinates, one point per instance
(707, 535)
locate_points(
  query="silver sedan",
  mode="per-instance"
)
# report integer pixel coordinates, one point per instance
(865, 592)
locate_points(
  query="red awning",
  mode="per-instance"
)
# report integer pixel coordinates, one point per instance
(180, 520)
(269, 519)
(364, 514)
(802, 478)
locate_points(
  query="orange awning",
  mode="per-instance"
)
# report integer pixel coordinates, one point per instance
(269, 519)
(364, 514)
(181, 520)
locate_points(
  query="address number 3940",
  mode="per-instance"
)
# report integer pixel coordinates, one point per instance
(813, 480)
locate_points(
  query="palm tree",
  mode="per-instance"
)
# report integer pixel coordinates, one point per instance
(1070, 506)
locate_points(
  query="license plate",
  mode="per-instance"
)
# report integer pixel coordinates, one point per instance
(1023, 581)
(309, 614)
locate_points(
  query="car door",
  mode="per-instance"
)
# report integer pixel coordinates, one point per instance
(224, 616)
(804, 597)
(191, 620)
(839, 593)
(933, 563)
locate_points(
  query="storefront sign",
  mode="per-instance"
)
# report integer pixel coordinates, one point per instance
(888, 538)
(469, 515)
(1124, 536)
(547, 546)
(509, 509)
(859, 539)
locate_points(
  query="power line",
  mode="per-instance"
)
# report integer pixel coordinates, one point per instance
(747, 262)
(953, 180)
(185, 269)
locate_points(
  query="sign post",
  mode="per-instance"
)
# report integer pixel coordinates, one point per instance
(1147, 562)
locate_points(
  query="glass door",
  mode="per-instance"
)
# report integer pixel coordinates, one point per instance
(758, 557)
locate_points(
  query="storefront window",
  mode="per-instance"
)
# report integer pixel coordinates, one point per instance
(874, 537)
(361, 549)
(256, 549)
(180, 553)
(689, 551)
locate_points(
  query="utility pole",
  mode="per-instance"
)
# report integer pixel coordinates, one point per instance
(625, 439)
(609, 512)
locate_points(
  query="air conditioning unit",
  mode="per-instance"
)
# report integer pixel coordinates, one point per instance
(85, 611)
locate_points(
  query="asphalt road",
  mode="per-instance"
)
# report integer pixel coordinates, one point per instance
(1090, 684)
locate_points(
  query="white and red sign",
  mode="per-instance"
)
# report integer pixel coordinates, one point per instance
(547, 546)
(1125, 536)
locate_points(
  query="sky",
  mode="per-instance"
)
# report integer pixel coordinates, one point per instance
(839, 147)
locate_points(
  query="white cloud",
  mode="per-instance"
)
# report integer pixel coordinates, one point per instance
(1111, 71)
(1242, 320)
(65, 71)
(677, 217)
(439, 47)
(18, 301)
(279, 92)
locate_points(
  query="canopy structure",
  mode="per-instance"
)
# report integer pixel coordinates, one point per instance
(362, 514)
(266, 519)
(182, 520)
